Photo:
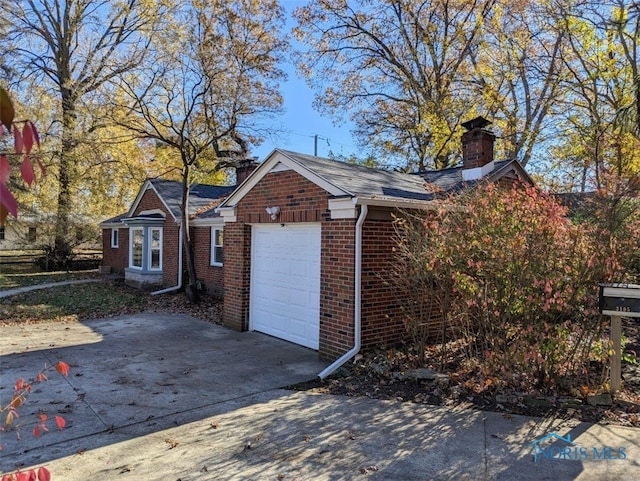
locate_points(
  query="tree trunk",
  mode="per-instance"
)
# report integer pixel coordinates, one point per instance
(191, 286)
(62, 249)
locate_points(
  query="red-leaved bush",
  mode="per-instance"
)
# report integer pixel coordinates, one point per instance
(10, 416)
(505, 269)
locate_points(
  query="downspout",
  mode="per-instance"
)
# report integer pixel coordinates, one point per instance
(357, 334)
(179, 285)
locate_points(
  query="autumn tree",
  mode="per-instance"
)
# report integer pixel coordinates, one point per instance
(74, 47)
(517, 74)
(214, 75)
(598, 144)
(395, 68)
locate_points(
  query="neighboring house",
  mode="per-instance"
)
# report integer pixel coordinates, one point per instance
(307, 242)
(33, 231)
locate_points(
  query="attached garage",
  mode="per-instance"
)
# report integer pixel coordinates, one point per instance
(284, 296)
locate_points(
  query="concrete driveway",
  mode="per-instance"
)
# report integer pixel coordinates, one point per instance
(166, 397)
(135, 375)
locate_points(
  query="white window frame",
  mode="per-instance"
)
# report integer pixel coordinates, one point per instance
(150, 248)
(212, 256)
(115, 238)
(132, 236)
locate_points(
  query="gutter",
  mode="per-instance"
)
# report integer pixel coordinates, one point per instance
(357, 332)
(179, 285)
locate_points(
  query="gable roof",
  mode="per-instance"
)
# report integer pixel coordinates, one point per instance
(341, 179)
(203, 199)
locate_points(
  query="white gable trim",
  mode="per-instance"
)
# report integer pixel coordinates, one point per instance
(228, 214)
(280, 167)
(281, 162)
(517, 168)
(146, 186)
(343, 208)
(207, 222)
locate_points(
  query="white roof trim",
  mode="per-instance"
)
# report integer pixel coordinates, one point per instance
(228, 214)
(210, 221)
(397, 203)
(146, 186)
(280, 167)
(274, 160)
(343, 208)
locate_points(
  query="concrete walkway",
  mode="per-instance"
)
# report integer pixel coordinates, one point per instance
(21, 290)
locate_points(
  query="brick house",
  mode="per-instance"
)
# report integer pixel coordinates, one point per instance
(307, 242)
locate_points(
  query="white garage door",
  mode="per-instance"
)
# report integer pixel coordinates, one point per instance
(285, 282)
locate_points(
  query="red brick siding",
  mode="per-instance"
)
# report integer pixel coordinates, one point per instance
(381, 300)
(213, 276)
(299, 201)
(237, 262)
(337, 287)
(115, 257)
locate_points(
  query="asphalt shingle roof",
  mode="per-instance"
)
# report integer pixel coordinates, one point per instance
(370, 182)
(202, 199)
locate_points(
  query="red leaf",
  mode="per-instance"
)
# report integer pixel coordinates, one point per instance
(17, 140)
(63, 368)
(5, 169)
(6, 109)
(60, 422)
(7, 477)
(41, 377)
(42, 417)
(23, 476)
(36, 432)
(36, 135)
(27, 171)
(27, 137)
(44, 474)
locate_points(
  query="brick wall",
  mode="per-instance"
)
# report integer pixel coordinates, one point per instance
(299, 201)
(115, 257)
(212, 276)
(381, 300)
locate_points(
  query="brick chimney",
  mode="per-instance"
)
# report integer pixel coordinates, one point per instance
(477, 144)
(244, 169)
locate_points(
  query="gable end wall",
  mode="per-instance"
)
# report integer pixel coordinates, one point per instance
(300, 201)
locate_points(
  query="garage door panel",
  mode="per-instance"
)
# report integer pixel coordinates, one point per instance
(285, 282)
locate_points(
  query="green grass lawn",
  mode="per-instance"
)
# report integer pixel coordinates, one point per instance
(67, 303)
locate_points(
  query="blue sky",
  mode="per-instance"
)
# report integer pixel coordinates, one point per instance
(300, 121)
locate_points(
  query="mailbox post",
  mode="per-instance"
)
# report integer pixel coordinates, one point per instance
(618, 301)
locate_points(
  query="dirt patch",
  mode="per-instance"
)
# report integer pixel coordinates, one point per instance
(395, 374)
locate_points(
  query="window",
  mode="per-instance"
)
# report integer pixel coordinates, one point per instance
(1, 232)
(137, 241)
(217, 241)
(31, 236)
(155, 248)
(114, 238)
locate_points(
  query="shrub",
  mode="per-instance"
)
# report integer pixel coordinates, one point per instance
(513, 276)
